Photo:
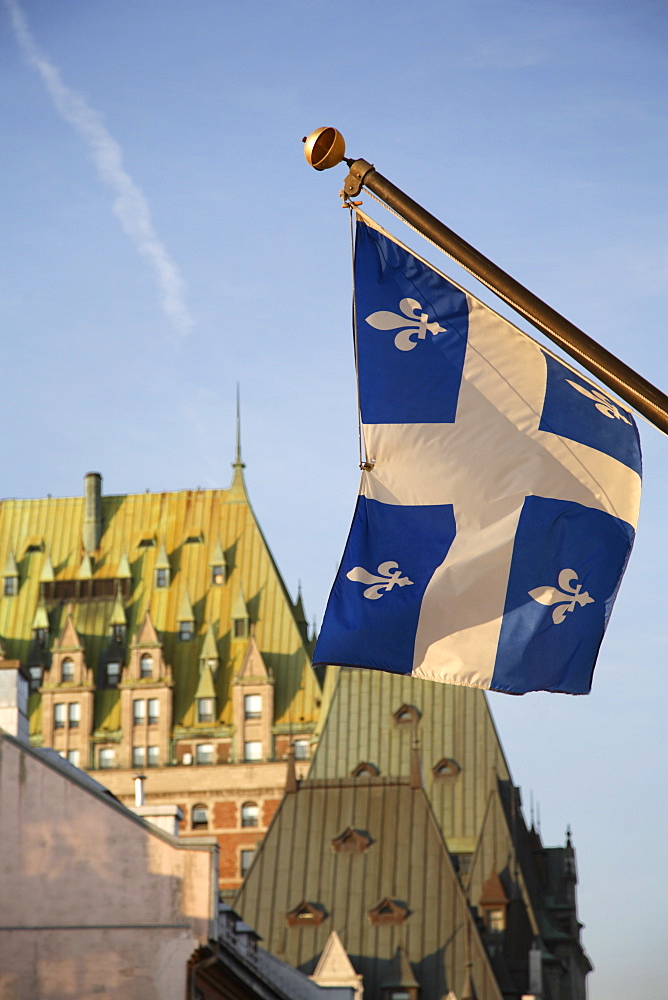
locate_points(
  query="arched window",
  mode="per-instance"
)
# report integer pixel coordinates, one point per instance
(67, 670)
(250, 814)
(200, 817)
(146, 665)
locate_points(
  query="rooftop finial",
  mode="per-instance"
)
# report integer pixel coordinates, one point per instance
(238, 464)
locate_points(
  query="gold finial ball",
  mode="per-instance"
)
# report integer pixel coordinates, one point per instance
(324, 148)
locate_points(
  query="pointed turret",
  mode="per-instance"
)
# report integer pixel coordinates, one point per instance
(334, 968)
(123, 569)
(400, 977)
(47, 575)
(161, 568)
(86, 568)
(218, 566)
(40, 622)
(118, 616)
(209, 655)
(240, 617)
(11, 576)
(300, 616)
(291, 783)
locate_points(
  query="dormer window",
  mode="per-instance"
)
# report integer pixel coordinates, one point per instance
(41, 636)
(306, 914)
(112, 673)
(365, 770)
(406, 715)
(351, 841)
(446, 768)
(240, 628)
(11, 587)
(118, 633)
(146, 666)
(35, 678)
(186, 631)
(67, 671)
(161, 578)
(389, 911)
(217, 576)
(205, 709)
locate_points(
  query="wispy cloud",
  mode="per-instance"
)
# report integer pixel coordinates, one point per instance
(130, 204)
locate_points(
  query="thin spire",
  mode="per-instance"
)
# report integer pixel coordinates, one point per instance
(237, 490)
(238, 463)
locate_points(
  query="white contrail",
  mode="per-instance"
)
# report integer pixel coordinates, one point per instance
(130, 204)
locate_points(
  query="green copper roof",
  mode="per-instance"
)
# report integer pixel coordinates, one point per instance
(227, 524)
(11, 569)
(41, 619)
(161, 560)
(123, 570)
(209, 648)
(46, 576)
(206, 687)
(85, 569)
(185, 609)
(240, 609)
(118, 616)
(218, 556)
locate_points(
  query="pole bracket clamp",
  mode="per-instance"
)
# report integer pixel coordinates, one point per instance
(355, 179)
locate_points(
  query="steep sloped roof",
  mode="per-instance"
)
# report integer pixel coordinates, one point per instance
(453, 722)
(216, 519)
(407, 864)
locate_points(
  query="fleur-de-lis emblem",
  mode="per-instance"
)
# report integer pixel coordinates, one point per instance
(603, 404)
(569, 595)
(389, 576)
(413, 321)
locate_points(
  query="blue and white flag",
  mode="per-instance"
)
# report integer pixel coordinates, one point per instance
(493, 528)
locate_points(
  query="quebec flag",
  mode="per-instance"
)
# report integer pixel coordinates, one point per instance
(498, 513)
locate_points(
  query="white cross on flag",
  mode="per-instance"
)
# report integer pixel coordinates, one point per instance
(492, 531)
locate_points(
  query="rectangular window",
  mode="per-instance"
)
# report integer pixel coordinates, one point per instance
(139, 712)
(146, 666)
(73, 757)
(239, 628)
(253, 706)
(74, 714)
(153, 756)
(253, 750)
(35, 678)
(217, 576)
(186, 631)
(161, 577)
(205, 709)
(301, 749)
(10, 586)
(113, 673)
(245, 861)
(153, 711)
(138, 757)
(204, 753)
(59, 715)
(107, 757)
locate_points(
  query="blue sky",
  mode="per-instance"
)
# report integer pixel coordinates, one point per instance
(164, 239)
